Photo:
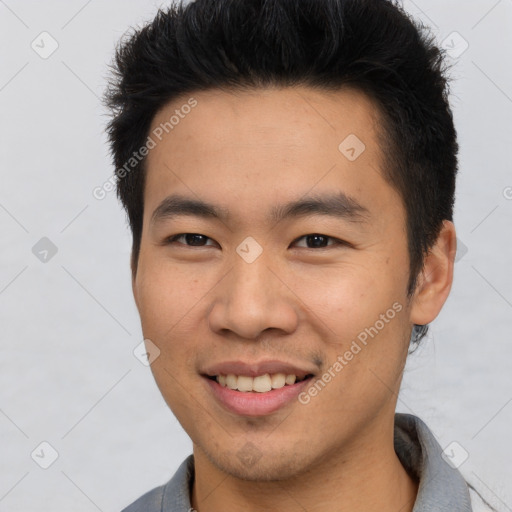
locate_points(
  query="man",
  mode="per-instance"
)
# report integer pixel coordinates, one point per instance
(288, 169)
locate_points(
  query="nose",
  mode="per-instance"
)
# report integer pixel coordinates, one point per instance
(252, 298)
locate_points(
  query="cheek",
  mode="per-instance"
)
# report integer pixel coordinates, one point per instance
(173, 305)
(169, 302)
(343, 296)
(166, 294)
(360, 311)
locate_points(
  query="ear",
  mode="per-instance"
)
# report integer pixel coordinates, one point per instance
(435, 280)
(134, 276)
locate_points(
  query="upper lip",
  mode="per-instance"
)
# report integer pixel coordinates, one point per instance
(254, 369)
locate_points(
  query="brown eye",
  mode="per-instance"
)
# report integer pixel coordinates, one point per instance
(190, 239)
(317, 241)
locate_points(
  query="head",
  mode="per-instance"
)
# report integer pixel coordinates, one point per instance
(316, 137)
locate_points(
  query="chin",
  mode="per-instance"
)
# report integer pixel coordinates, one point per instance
(248, 463)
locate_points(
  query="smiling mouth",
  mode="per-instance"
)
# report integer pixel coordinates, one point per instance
(259, 384)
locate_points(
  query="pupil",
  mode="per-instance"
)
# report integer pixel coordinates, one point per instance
(194, 239)
(316, 240)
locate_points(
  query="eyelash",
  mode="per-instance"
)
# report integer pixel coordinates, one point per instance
(337, 241)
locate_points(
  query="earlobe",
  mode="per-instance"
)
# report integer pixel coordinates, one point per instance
(435, 280)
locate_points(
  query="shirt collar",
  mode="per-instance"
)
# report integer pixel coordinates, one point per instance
(441, 486)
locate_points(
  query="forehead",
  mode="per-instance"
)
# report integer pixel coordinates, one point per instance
(261, 147)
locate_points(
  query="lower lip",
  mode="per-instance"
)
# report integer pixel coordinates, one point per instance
(252, 403)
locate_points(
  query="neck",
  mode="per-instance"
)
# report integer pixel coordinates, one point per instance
(366, 476)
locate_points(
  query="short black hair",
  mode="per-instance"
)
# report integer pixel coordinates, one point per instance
(373, 46)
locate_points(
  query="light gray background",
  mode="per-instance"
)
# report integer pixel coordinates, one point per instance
(69, 325)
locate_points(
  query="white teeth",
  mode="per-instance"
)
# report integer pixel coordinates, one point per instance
(278, 380)
(260, 384)
(230, 381)
(244, 383)
(290, 379)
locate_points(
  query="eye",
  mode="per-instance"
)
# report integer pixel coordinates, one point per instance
(318, 241)
(190, 239)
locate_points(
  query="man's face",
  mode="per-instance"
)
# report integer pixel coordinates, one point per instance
(256, 285)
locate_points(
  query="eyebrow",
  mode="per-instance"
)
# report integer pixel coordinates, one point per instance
(339, 205)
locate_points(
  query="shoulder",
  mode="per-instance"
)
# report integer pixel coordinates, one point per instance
(173, 495)
(149, 502)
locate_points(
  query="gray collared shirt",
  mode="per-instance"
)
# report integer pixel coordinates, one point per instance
(441, 487)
